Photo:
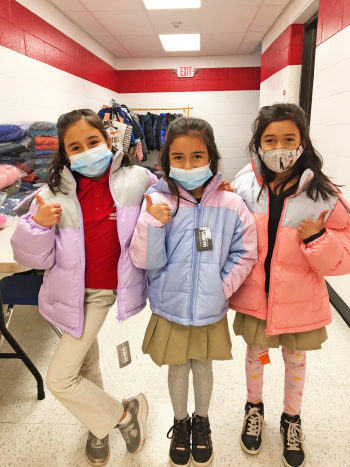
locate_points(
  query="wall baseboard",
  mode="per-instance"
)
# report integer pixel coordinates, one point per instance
(341, 307)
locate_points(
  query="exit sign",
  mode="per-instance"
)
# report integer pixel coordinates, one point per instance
(186, 71)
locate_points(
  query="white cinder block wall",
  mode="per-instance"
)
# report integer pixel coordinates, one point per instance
(283, 86)
(330, 121)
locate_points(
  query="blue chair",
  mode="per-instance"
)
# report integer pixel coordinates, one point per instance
(19, 289)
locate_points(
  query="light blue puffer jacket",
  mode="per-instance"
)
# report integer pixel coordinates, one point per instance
(187, 286)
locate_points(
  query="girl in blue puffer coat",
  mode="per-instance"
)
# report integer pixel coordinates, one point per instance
(198, 244)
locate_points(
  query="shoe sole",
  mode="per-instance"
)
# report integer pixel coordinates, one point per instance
(288, 465)
(100, 464)
(203, 464)
(180, 465)
(252, 453)
(142, 419)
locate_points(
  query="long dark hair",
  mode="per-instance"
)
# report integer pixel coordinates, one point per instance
(188, 126)
(319, 185)
(60, 160)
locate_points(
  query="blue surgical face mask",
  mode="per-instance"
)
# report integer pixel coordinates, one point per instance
(92, 163)
(191, 179)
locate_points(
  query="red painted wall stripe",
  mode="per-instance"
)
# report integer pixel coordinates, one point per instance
(333, 16)
(27, 33)
(286, 50)
(207, 79)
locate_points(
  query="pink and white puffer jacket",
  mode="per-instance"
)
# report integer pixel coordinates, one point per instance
(298, 299)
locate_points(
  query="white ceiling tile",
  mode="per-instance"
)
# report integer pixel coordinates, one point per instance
(110, 43)
(162, 19)
(110, 5)
(266, 17)
(250, 42)
(276, 2)
(88, 22)
(125, 23)
(227, 3)
(220, 41)
(226, 19)
(140, 43)
(69, 5)
(219, 52)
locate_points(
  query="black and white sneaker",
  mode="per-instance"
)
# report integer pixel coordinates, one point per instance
(97, 450)
(251, 438)
(180, 447)
(202, 448)
(292, 438)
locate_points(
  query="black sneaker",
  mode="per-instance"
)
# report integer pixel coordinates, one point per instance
(180, 447)
(97, 450)
(202, 448)
(293, 437)
(251, 438)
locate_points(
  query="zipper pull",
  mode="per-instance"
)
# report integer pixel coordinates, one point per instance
(199, 207)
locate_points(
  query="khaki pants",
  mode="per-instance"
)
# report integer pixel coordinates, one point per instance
(74, 376)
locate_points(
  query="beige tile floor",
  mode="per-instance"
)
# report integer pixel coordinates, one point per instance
(44, 434)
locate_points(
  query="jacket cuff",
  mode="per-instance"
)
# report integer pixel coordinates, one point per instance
(150, 220)
(34, 225)
(314, 237)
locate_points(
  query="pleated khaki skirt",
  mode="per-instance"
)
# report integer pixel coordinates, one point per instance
(252, 330)
(170, 343)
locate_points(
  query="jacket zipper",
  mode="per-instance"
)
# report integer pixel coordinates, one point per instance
(195, 253)
(82, 248)
(271, 288)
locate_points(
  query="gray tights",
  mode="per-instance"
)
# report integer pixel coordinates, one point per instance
(178, 381)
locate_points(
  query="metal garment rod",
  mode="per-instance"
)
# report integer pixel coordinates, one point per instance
(169, 108)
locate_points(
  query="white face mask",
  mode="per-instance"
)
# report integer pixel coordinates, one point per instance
(280, 160)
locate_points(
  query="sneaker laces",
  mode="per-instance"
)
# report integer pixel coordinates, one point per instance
(295, 436)
(97, 442)
(255, 421)
(201, 434)
(181, 437)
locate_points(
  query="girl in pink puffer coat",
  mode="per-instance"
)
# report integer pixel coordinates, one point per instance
(303, 235)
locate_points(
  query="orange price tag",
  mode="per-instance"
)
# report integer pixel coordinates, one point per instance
(264, 357)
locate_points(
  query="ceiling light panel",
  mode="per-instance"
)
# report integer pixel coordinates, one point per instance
(180, 42)
(171, 4)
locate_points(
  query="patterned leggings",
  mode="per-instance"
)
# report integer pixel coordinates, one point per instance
(295, 368)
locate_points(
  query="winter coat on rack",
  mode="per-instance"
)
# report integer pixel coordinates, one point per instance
(155, 126)
(149, 131)
(163, 128)
(159, 132)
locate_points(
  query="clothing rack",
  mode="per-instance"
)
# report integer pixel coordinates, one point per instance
(169, 108)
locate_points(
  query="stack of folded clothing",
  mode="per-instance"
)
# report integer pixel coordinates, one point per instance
(26, 150)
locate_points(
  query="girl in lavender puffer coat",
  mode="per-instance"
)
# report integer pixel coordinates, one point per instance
(79, 230)
(303, 235)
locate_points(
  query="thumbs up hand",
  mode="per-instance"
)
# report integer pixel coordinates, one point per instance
(308, 228)
(160, 211)
(47, 215)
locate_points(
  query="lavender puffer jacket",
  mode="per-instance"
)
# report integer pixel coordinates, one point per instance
(60, 250)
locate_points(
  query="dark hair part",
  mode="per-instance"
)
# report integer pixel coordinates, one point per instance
(60, 159)
(319, 185)
(188, 126)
